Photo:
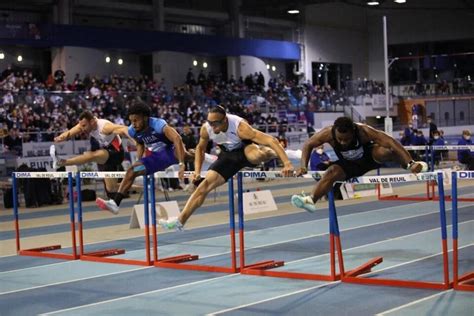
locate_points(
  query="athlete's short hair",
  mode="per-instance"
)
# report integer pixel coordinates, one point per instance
(86, 115)
(344, 125)
(218, 109)
(140, 109)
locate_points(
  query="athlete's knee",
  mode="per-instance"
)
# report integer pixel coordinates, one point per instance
(333, 174)
(134, 171)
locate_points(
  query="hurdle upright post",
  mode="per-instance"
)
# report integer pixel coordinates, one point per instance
(232, 223)
(71, 214)
(465, 281)
(335, 240)
(240, 206)
(444, 242)
(146, 218)
(153, 218)
(15, 211)
(79, 214)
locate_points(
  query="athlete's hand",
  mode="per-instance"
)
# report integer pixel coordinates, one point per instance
(301, 171)
(60, 138)
(288, 170)
(419, 166)
(197, 178)
(181, 172)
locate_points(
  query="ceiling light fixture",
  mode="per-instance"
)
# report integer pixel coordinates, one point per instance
(400, 1)
(373, 3)
(293, 11)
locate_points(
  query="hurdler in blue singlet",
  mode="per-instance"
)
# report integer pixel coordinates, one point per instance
(161, 149)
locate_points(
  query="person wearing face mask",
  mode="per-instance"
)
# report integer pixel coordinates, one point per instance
(437, 141)
(466, 156)
(319, 160)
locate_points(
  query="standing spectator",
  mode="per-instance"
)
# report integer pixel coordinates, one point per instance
(190, 78)
(466, 156)
(189, 141)
(310, 130)
(433, 128)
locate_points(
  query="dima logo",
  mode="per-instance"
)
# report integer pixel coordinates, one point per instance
(254, 174)
(466, 174)
(23, 175)
(89, 174)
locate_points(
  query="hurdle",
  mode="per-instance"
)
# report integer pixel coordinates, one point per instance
(352, 277)
(106, 255)
(45, 251)
(430, 187)
(181, 262)
(264, 268)
(450, 147)
(464, 282)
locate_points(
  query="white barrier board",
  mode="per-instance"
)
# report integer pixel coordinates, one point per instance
(164, 210)
(259, 201)
(355, 191)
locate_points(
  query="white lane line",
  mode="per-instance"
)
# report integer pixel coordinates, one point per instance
(139, 294)
(273, 298)
(413, 303)
(326, 284)
(236, 275)
(381, 241)
(248, 233)
(74, 280)
(288, 263)
(36, 267)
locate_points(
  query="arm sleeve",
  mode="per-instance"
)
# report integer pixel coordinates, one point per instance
(158, 125)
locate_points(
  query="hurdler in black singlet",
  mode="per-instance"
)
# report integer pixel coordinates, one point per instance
(356, 159)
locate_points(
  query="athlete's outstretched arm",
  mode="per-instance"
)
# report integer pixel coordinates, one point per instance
(122, 130)
(69, 134)
(385, 140)
(200, 152)
(245, 131)
(318, 139)
(173, 136)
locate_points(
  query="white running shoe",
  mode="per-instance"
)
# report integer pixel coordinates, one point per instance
(108, 205)
(52, 153)
(57, 162)
(172, 223)
(303, 201)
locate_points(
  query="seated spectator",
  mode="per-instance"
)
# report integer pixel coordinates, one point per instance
(319, 160)
(404, 139)
(437, 141)
(13, 142)
(465, 156)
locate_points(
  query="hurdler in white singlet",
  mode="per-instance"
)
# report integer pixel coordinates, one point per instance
(228, 139)
(103, 139)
